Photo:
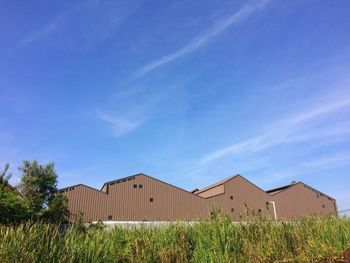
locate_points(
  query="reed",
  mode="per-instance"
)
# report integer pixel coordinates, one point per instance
(215, 240)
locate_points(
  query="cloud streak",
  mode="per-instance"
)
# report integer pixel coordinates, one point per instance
(120, 125)
(311, 166)
(128, 110)
(82, 25)
(290, 130)
(245, 12)
(340, 159)
(39, 34)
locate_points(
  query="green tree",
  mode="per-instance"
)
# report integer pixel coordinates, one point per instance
(58, 209)
(5, 175)
(38, 184)
(39, 190)
(12, 207)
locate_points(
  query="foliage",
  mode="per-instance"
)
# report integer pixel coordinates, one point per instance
(215, 240)
(36, 198)
(57, 210)
(38, 185)
(5, 175)
(12, 207)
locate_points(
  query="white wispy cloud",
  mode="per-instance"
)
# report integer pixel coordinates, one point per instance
(310, 166)
(39, 34)
(120, 125)
(289, 130)
(82, 24)
(126, 111)
(340, 159)
(243, 13)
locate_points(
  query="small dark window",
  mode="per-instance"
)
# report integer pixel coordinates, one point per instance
(231, 197)
(318, 196)
(129, 179)
(232, 210)
(140, 185)
(135, 185)
(151, 199)
(259, 211)
(109, 217)
(323, 206)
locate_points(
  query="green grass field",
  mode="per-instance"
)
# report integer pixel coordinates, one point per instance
(219, 240)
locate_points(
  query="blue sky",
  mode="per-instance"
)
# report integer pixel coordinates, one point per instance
(188, 91)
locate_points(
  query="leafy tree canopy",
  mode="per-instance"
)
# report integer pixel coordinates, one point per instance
(12, 207)
(36, 198)
(38, 185)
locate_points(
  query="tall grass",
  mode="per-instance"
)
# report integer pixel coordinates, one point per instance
(218, 240)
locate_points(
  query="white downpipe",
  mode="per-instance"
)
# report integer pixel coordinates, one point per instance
(274, 209)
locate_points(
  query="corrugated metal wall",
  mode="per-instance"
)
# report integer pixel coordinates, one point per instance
(137, 198)
(92, 203)
(240, 197)
(300, 200)
(142, 197)
(145, 198)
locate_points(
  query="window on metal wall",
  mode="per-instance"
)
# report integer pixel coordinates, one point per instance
(109, 217)
(151, 199)
(259, 211)
(140, 185)
(135, 185)
(232, 210)
(231, 197)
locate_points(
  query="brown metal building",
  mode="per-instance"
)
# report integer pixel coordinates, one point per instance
(237, 196)
(144, 198)
(298, 200)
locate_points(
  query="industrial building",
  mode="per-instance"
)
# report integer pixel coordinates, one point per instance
(143, 198)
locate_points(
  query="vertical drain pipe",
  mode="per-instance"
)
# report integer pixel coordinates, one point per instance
(274, 209)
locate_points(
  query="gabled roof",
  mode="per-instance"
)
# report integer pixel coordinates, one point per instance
(77, 185)
(216, 184)
(124, 179)
(11, 188)
(194, 190)
(8, 185)
(278, 190)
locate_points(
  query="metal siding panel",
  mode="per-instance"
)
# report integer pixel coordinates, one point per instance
(299, 200)
(124, 202)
